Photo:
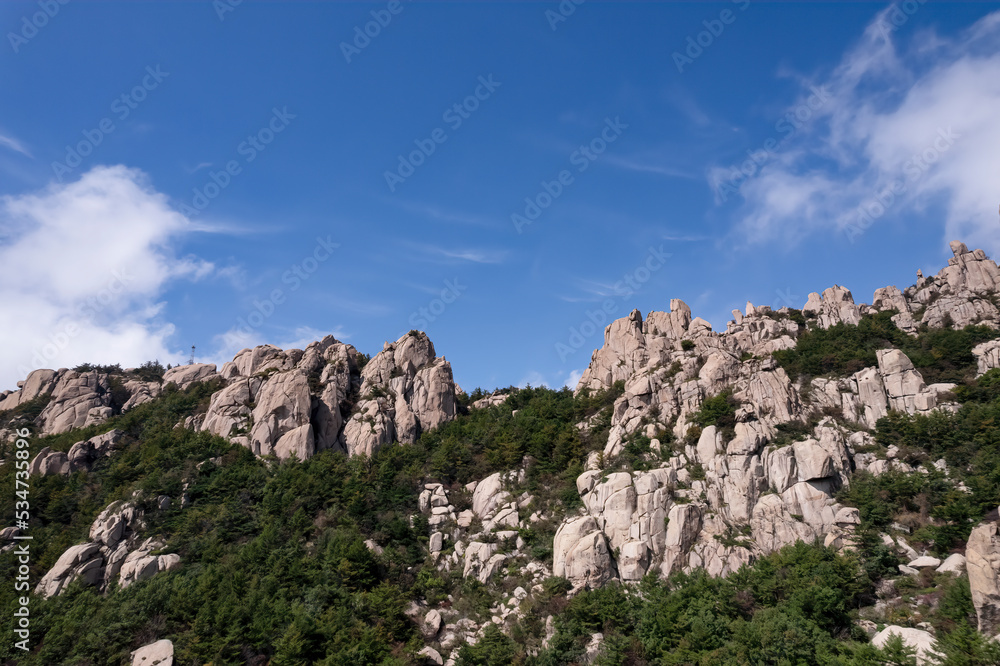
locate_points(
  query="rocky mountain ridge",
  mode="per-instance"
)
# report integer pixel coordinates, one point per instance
(273, 401)
(717, 452)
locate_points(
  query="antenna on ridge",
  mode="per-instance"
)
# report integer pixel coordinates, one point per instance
(191, 362)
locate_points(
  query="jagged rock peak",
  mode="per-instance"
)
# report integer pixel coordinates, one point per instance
(297, 402)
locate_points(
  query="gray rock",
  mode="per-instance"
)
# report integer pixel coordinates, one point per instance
(954, 563)
(160, 653)
(83, 561)
(74, 395)
(982, 555)
(580, 553)
(922, 641)
(925, 562)
(185, 375)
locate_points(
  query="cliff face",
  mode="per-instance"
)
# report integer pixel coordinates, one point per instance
(273, 401)
(664, 520)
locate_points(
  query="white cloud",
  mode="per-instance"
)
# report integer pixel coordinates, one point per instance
(87, 262)
(574, 378)
(917, 122)
(533, 378)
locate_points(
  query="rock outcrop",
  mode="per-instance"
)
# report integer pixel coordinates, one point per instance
(82, 561)
(81, 456)
(160, 653)
(581, 555)
(185, 375)
(297, 402)
(78, 399)
(983, 565)
(922, 641)
(275, 402)
(405, 389)
(111, 554)
(751, 498)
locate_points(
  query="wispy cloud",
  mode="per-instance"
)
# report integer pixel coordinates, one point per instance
(883, 127)
(642, 166)
(15, 145)
(445, 255)
(442, 214)
(685, 238)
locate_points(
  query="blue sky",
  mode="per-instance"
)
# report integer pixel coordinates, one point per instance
(169, 169)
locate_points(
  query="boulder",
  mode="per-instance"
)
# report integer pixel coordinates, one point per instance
(904, 386)
(141, 563)
(987, 356)
(430, 654)
(954, 563)
(38, 382)
(431, 624)
(82, 455)
(489, 496)
(116, 522)
(580, 553)
(82, 561)
(922, 641)
(48, 462)
(160, 653)
(925, 562)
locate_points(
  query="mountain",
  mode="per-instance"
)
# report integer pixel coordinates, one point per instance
(813, 486)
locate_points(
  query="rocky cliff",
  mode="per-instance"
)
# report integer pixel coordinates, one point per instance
(681, 450)
(771, 495)
(272, 401)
